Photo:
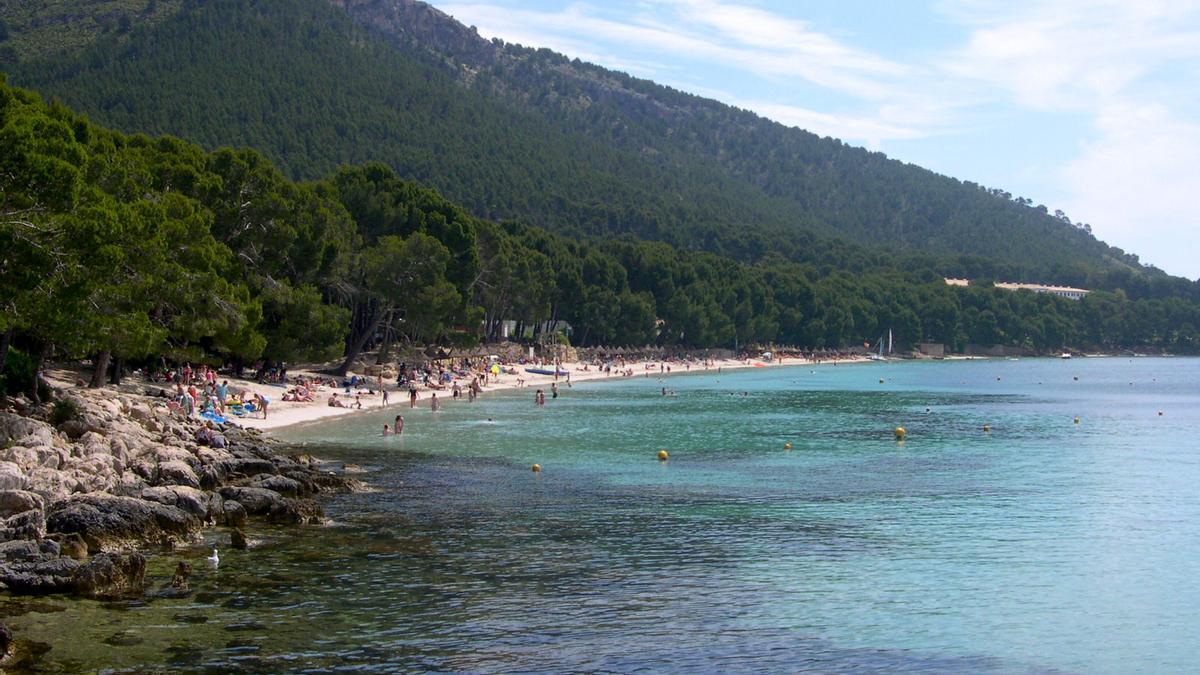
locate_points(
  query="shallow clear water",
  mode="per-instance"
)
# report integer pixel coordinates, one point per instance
(1042, 545)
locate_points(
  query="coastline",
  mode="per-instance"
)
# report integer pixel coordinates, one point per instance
(286, 414)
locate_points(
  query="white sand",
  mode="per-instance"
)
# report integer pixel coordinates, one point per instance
(285, 413)
(282, 413)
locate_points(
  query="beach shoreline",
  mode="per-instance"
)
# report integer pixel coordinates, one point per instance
(286, 414)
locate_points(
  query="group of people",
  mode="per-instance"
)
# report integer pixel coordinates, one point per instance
(396, 429)
(197, 393)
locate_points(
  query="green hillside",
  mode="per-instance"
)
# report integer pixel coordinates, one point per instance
(516, 133)
(127, 250)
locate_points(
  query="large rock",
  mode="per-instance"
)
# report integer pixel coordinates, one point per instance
(25, 458)
(110, 523)
(110, 575)
(51, 484)
(104, 576)
(28, 525)
(257, 501)
(20, 550)
(285, 486)
(195, 502)
(11, 476)
(296, 512)
(13, 502)
(17, 430)
(248, 466)
(235, 514)
(39, 576)
(177, 473)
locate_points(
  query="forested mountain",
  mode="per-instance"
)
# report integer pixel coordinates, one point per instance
(511, 132)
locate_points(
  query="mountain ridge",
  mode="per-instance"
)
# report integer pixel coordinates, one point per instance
(513, 132)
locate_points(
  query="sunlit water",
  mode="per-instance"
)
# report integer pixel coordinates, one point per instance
(1042, 545)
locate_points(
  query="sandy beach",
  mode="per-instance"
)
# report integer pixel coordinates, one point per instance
(282, 413)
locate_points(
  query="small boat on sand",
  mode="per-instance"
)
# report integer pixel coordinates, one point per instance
(544, 371)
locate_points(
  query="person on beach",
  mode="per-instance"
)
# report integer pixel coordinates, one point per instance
(262, 402)
(385, 398)
(399, 425)
(434, 406)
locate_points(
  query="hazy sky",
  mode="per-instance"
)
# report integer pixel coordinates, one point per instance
(1089, 106)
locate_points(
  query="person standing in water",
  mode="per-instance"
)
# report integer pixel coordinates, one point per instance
(386, 431)
(412, 397)
(399, 426)
(553, 390)
(433, 403)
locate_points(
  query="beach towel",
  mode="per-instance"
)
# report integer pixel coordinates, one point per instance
(217, 419)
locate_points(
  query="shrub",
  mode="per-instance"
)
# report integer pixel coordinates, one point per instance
(64, 410)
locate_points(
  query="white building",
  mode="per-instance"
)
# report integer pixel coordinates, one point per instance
(1061, 291)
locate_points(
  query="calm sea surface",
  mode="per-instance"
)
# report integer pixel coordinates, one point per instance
(1040, 546)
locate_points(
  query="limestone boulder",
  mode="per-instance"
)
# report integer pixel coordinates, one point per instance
(256, 501)
(109, 523)
(293, 511)
(11, 476)
(13, 502)
(104, 576)
(52, 484)
(189, 499)
(176, 472)
(18, 430)
(235, 514)
(285, 486)
(29, 524)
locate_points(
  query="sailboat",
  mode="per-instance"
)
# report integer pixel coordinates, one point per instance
(879, 356)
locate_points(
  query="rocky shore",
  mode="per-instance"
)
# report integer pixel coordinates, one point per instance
(92, 482)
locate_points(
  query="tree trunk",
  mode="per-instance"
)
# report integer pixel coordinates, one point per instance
(356, 345)
(39, 357)
(387, 341)
(118, 369)
(5, 342)
(100, 369)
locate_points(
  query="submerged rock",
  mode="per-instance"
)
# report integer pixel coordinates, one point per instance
(111, 575)
(297, 512)
(182, 571)
(235, 513)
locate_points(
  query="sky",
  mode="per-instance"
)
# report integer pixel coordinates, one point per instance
(1088, 106)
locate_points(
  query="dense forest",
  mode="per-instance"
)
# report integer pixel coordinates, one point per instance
(514, 133)
(126, 248)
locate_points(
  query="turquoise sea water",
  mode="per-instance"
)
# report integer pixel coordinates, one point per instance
(1040, 546)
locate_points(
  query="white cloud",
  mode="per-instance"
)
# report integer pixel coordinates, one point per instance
(1137, 183)
(873, 131)
(1135, 174)
(1128, 66)
(757, 41)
